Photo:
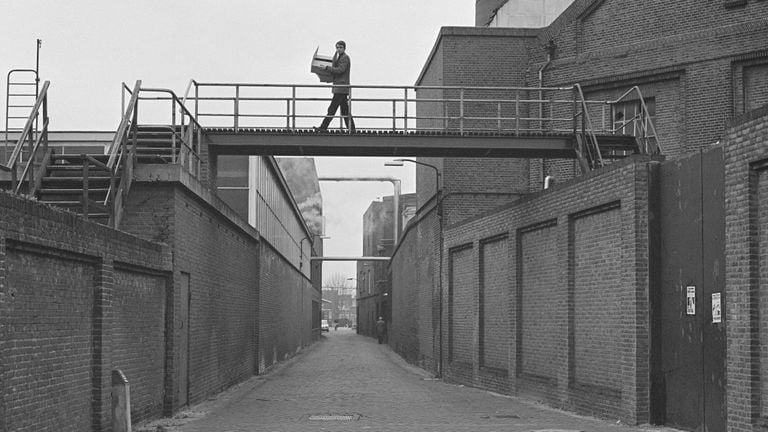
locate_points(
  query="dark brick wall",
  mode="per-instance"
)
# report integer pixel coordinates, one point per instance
(494, 313)
(50, 336)
(78, 300)
(504, 56)
(62, 326)
(543, 304)
(704, 46)
(138, 337)
(580, 246)
(569, 302)
(415, 294)
(746, 216)
(285, 305)
(222, 261)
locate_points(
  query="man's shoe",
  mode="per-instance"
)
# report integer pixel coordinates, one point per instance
(319, 129)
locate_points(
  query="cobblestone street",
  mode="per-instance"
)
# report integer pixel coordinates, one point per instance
(347, 382)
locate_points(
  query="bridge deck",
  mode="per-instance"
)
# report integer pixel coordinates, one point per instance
(287, 142)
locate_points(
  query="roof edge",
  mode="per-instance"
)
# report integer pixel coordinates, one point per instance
(475, 32)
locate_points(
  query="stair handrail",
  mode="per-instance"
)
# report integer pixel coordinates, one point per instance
(189, 130)
(14, 161)
(587, 129)
(644, 112)
(121, 158)
(126, 121)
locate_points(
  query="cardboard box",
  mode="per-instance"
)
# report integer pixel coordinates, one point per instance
(319, 62)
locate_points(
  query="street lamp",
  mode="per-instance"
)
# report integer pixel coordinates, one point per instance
(399, 163)
(357, 305)
(439, 208)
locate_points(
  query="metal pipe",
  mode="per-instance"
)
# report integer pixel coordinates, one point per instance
(346, 258)
(395, 184)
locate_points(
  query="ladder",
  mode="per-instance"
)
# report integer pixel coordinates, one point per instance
(20, 96)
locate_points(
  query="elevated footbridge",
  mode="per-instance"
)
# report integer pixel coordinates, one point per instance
(211, 119)
(277, 119)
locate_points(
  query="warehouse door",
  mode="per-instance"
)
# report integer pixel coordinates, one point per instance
(690, 391)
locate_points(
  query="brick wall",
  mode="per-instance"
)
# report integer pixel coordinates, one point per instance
(138, 337)
(285, 304)
(415, 294)
(249, 307)
(78, 300)
(746, 214)
(542, 306)
(571, 251)
(504, 55)
(612, 44)
(63, 285)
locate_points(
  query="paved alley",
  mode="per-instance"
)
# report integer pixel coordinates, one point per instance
(347, 382)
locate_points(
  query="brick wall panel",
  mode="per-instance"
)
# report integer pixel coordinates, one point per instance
(50, 336)
(138, 339)
(542, 302)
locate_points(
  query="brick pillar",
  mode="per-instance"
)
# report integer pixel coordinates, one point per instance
(102, 348)
(4, 313)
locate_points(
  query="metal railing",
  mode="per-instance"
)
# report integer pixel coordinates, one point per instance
(512, 111)
(588, 147)
(186, 134)
(27, 165)
(122, 157)
(509, 110)
(20, 96)
(641, 120)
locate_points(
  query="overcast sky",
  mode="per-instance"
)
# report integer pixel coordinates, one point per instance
(91, 46)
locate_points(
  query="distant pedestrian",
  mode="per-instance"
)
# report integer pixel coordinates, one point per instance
(381, 329)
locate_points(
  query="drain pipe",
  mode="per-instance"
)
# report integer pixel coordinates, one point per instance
(550, 49)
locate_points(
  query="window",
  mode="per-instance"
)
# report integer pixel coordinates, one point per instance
(629, 119)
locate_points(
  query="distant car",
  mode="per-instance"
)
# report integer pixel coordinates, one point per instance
(324, 325)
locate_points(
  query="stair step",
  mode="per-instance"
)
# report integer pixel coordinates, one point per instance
(72, 179)
(71, 191)
(79, 158)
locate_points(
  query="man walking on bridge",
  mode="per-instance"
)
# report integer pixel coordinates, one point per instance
(340, 70)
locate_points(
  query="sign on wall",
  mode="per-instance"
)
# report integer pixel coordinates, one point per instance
(717, 315)
(690, 300)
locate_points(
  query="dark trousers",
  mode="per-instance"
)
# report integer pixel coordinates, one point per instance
(339, 100)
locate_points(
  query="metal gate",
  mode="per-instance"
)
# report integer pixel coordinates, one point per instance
(690, 386)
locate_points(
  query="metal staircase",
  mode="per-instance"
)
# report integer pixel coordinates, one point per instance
(79, 183)
(95, 185)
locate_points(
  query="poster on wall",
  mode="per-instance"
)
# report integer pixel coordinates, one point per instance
(717, 315)
(690, 300)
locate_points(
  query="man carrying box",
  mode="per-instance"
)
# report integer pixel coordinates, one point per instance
(339, 69)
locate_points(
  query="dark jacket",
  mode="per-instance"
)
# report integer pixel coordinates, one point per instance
(381, 327)
(340, 71)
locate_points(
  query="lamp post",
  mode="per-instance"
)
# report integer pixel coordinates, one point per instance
(439, 209)
(357, 295)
